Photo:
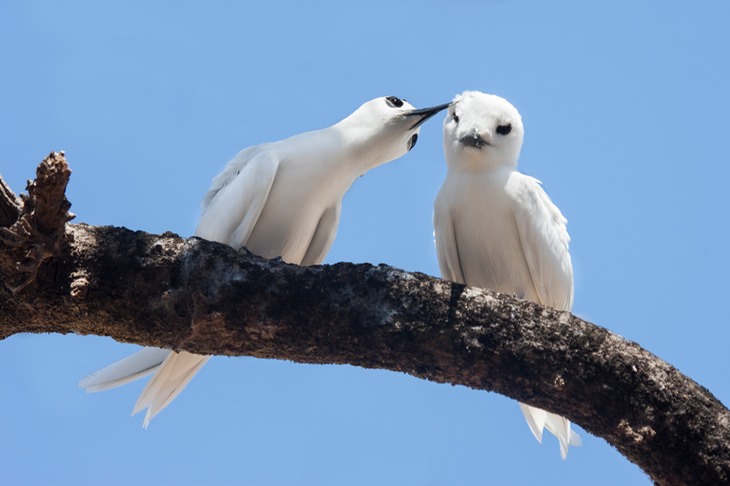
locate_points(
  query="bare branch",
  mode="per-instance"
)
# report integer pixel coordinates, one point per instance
(37, 233)
(204, 297)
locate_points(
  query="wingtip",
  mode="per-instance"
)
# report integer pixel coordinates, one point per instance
(572, 439)
(138, 407)
(85, 381)
(535, 418)
(89, 386)
(575, 439)
(563, 451)
(148, 418)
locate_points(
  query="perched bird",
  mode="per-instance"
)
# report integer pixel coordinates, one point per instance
(280, 199)
(496, 228)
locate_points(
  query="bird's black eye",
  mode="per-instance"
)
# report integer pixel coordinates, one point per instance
(394, 102)
(455, 117)
(504, 129)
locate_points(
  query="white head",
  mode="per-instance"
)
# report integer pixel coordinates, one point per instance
(482, 131)
(384, 129)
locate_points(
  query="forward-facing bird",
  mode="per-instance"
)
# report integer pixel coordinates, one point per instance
(280, 199)
(495, 227)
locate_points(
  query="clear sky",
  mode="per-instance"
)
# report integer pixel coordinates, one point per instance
(625, 107)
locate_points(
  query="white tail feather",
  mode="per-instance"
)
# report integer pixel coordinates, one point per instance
(535, 418)
(539, 419)
(170, 379)
(131, 368)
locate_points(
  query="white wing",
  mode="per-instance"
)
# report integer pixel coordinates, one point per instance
(231, 209)
(323, 237)
(447, 249)
(131, 368)
(544, 238)
(238, 195)
(170, 379)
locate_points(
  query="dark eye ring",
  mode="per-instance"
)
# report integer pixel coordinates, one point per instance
(455, 117)
(394, 102)
(504, 129)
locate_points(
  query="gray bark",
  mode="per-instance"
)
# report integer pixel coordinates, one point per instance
(203, 297)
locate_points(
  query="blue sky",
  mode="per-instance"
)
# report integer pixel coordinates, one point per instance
(625, 108)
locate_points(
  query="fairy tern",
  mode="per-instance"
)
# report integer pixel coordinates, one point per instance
(280, 199)
(496, 228)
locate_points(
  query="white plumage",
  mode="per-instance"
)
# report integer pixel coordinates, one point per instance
(495, 227)
(280, 199)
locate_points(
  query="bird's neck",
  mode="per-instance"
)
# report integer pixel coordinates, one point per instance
(325, 154)
(481, 165)
(361, 148)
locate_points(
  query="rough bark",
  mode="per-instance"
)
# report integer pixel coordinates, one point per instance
(206, 298)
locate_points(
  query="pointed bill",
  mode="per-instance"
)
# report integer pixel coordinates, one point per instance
(423, 114)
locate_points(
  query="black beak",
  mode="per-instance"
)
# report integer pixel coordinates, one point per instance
(424, 114)
(474, 140)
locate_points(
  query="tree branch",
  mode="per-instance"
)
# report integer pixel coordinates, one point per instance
(37, 231)
(204, 297)
(9, 205)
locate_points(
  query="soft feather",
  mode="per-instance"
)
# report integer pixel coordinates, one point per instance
(497, 228)
(279, 199)
(175, 373)
(131, 368)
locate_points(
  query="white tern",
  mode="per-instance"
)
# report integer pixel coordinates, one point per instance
(496, 228)
(280, 199)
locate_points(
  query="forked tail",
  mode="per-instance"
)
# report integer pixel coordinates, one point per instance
(539, 419)
(173, 371)
(170, 379)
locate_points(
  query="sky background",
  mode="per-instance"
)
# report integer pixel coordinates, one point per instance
(625, 108)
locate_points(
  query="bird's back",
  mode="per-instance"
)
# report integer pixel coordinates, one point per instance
(303, 183)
